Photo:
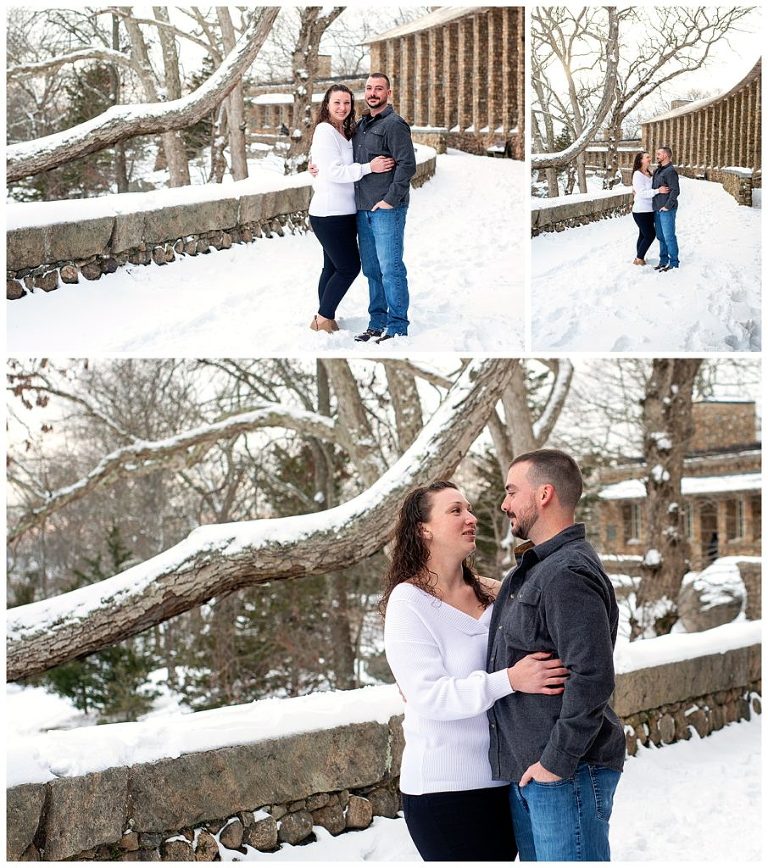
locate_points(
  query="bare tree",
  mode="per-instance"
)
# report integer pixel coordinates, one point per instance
(668, 426)
(122, 123)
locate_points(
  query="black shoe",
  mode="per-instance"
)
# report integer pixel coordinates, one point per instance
(368, 334)
(660, 267)
(388, 337)
(668, 268)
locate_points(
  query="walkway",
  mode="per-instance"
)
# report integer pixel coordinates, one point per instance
(587, 295)
(464, 249)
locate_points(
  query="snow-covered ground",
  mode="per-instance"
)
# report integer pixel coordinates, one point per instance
(463, 251)
(587, 295)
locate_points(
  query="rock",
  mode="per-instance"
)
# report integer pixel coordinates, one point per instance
(667, 728)
(177, 850)
(24, 805)
(150, 840)
(262, 835)
(359, 813)
(101, 797)
(294, 828)
(109, 265)
(188, 833)
(713, 597)
(757, 705)
(170, 255)
(278, 811)
(29, 282)
(48, 281)
(129, 841)
(31, 854)
(179, 246)
(246, 235)
(149, 856)
(300, 805)
(207, 848)
(226, 240)
(232, 835)
(130, 856)
(69, 274)
(330, 818)
(215, 826)
(91, 270)
(344, 798)
(190, 248)
(14, 290)
(319, 800)
(158, 255)
(385, 802)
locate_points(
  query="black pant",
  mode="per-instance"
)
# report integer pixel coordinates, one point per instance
(341, 259)
(462, 826)
(645, 223)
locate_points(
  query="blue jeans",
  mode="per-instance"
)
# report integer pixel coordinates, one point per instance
(665, 232)
(380, 235)
(566, 821)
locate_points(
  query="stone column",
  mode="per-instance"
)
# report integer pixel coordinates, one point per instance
(749, 131)
(758, 157)
(421, 76)
(407, 79)
(391, 67)
(436, 116)
(495, 66)
(480, 71)
(464, 65)
(450, 75)
(707, 139)
(718, 133)
(508, 59)
(377, 56)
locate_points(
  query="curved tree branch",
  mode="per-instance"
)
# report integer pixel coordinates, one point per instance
(107, 55)
(219, 559)
(124, 122)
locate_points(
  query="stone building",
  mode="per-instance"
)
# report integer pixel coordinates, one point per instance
(717, 139)
(458, 77)
(721, 490)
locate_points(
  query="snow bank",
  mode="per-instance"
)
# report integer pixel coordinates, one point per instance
(635, 488)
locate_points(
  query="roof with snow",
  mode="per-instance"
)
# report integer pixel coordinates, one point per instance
(634, 489)
(434, 19)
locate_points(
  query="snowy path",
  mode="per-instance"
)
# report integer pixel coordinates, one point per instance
(587, 295)
(696, 801)
(463, 251)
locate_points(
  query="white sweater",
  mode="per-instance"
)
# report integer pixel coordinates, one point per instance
(334, 185)
(644, 193)
(437, 654)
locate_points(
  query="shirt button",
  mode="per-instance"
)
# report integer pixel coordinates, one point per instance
(499, 627)
(493, 726)
(511, 596)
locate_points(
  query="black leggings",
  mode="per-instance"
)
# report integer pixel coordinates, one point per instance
(341, 259)
(462, 826)
(646, 224)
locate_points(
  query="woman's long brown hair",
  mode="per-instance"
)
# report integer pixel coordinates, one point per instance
(410, 553)
(323, 115)
(637, 165)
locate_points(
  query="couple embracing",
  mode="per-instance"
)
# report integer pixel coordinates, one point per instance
(655, 207)
(510, 744)
(362, 172)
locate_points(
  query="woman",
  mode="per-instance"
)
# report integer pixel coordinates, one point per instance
(642, 207)
(437, 612)
(332, 211)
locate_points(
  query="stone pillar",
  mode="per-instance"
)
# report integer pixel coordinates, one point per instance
(749, 130)
(436, 115)
(508, 59)
(495, 71)
(686, 154)
(407, 79)
(480, 71)
(708, 118)
(758, 157)
(450, 75)
(464, 65)
(729, 133)
(421, 76)
(718, 133)
(391, 67)
(377, 56)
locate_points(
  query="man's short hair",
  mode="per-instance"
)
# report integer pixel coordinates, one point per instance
(557, 468)
(667, 150)
(381, 75)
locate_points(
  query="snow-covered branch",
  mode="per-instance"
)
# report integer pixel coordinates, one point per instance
(124, 122)
(105, 55)
(143, 456)
(543, 426)
(218, 559)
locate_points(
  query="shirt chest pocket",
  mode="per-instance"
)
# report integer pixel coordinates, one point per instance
(375, 145)
(523, 626)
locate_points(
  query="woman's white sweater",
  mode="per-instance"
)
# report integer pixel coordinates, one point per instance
(644, 193)
(437, 654)
(334, 185)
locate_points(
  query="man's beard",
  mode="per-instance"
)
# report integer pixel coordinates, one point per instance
(524, 521)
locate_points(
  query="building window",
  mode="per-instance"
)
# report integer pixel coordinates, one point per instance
(631, 519)
(734, 519)
(610, 533)
(686, 517)
(757, 518)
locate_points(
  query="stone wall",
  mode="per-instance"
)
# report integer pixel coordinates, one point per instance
(274, 791)
(569, 211)
(45, 256)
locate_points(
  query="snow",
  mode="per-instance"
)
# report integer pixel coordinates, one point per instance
(718, 584)
(632, 489)
(652, 558)
(464, 249)
(588, 295)
(589, 196)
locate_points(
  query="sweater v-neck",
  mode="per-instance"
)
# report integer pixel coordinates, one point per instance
(458, 616)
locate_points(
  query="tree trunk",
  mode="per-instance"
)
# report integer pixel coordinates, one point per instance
(612, 173)
(115, 125)
(235, 104)
(218, 559)
(668, 426)
(406, 403)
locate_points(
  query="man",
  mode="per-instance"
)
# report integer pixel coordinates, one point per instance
(665, 209)
(563, 753)
(382, 203)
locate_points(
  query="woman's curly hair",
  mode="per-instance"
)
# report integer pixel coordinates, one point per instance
(324, 115)
(410, 553)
